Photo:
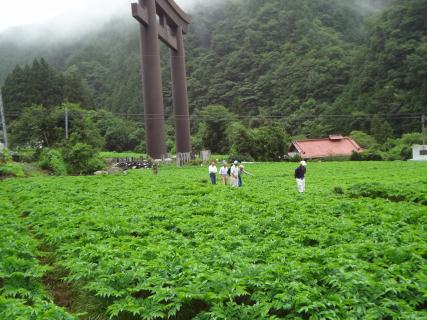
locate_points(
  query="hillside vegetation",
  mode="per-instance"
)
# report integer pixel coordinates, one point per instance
(310, 68)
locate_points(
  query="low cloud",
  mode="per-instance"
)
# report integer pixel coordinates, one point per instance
(76, 19)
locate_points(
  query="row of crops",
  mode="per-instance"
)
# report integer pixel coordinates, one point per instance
(22, 295)
(172, 246)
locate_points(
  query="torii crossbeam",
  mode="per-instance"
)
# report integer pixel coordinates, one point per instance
(164, 20)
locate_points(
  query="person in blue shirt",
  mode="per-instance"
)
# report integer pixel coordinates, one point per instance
(299, 176)
(241, 172)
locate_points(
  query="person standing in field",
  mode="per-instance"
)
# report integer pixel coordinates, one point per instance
(299, 176)
(223, 171)
(234, 175)
(212, 172)
(241, 172)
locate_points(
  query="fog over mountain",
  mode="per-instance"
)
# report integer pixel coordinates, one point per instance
(71, 21)
(84, 19)
(76, 19)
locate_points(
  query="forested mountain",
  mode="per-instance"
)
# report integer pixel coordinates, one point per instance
(310, 67)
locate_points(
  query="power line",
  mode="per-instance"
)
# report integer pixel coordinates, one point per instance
(280, 116)
(292, 117)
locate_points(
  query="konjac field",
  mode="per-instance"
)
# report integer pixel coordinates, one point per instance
(173, 246)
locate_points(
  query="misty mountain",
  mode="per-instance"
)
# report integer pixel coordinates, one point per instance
(293, 61)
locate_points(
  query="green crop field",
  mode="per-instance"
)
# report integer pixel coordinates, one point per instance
(172, 246)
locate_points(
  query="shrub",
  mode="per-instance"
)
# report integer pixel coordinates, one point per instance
(234, 155)
(295, 158)
(406, 153)
(195, 162)
(5, 156)
(82, 158)
(26, 155)
(338, 190)
(396, 194)
(335, 158)
(53, 161)
(356, 156)
(372, 155)
(11, 170)
(363, 139)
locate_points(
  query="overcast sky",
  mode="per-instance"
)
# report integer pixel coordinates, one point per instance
(20, 12)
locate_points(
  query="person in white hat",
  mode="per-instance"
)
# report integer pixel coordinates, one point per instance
(234, 174)
(299, 176)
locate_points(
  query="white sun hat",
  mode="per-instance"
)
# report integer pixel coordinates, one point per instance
(303, 163)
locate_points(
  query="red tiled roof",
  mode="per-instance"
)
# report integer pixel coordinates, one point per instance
(321, 148)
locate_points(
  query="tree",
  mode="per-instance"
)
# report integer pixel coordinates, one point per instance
(363, 139)
(42, 126)
(31, 128)
(42, 85)
(381, 130)
(213, 122)
(75, 89)
(269, 143)
(119, 134)
(241, 140)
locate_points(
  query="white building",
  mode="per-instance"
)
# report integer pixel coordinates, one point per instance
(419, 152)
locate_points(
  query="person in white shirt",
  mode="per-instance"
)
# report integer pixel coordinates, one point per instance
(234, 175)
(223, 173)
(212, 172)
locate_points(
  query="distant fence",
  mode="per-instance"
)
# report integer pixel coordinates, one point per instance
(205, 155)
(182, 158)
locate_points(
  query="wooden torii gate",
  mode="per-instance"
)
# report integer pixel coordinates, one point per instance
(164, 20)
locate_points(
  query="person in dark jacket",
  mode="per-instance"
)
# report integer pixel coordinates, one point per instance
(299, 176)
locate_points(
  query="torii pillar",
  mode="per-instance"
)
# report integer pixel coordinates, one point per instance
(164, 20)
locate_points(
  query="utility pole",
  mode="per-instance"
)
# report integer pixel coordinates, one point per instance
(3, 122)
(66, 123)
(423, 117)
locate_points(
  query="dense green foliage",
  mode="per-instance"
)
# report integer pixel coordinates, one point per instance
(11, 169)
(53, 161)
(5, 155)
(139, 246)
(7, 167)
(392, 149)
(22, 296)
(310, 67)
(43, 126)
(316, 66)
(82, 158)
(389, 76)
(41, 85)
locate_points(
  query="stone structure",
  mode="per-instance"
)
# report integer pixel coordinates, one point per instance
(419, 152)
(164, 20)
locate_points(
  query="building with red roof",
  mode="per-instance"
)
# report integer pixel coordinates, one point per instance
(335, 145)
